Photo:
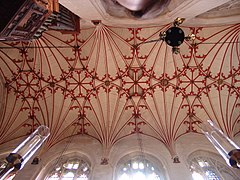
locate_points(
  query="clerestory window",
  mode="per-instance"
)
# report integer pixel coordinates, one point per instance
(73, 169)
(139, 169)
(208, 166)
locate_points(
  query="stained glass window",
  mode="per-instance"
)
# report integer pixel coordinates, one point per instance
(209, 168)
(139, 169)
(73, 169)
(203, 168)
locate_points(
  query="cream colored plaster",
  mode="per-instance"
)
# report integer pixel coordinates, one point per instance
(91, 151)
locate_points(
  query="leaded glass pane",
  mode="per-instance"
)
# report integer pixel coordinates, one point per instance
(138, 169)
(73, 169)
(207, 168)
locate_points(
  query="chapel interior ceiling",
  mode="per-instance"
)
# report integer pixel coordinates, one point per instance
(100, 84)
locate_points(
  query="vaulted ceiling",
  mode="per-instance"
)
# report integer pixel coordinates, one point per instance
(100, 84)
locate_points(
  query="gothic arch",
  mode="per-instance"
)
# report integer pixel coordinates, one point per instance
(210, 165)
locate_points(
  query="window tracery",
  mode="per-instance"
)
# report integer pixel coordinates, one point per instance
(208, 166)
(139, 168)
(72, 169)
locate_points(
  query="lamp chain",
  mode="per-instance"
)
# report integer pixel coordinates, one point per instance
(140, 144)
(66, 146)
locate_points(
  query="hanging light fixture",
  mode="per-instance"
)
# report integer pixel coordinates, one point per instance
(224, 145)
(20, 156)
(173, 36)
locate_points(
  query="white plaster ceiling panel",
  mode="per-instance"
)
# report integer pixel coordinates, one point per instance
(228, 9)
(101, 84)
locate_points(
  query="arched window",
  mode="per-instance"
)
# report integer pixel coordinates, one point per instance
(72, 169)
(206, 165)
(139, 168)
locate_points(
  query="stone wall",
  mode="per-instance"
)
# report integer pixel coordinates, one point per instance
(91, 151)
